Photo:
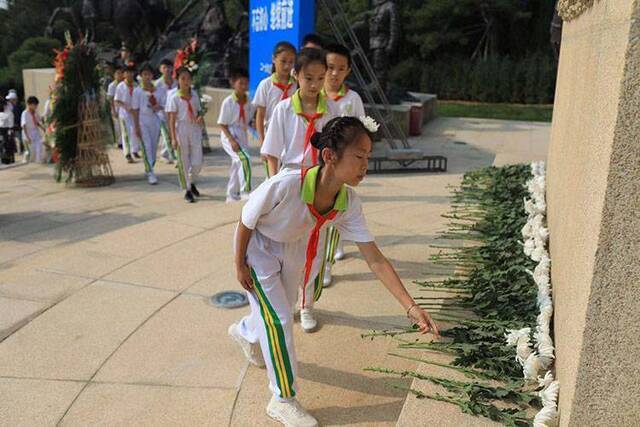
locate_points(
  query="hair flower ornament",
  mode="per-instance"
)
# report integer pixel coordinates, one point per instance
(369, 123)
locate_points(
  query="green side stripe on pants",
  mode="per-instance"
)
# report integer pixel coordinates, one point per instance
(181, 176)
(246, 169)
(277, 346)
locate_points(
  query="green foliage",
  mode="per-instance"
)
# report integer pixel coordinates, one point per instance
(81, 82)
(536, 113)
(530, 80)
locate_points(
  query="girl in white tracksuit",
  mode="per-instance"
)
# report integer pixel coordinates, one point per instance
(147, 102)
(185, 127)
(276, 244)
(235, 114)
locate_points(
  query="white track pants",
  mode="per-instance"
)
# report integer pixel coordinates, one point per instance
(240, 170)
(189, 153)
(130, 142)
(150, 129)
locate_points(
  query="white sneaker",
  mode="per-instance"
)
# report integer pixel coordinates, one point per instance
(152, 178)
(326, 281)
(251, 351)
(307, 321)
(339, 252)
(290, 413)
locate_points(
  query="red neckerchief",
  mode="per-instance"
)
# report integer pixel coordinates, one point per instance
(168, 84)
(339, 97)
(243, 116)
(311, 130)
(36, 122)
(192, 114)
(284, 88)
(130, 86)
(314, 238)
(152, 98)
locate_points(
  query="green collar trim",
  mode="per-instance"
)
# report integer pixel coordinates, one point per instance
(342, 92)
(296, 103)
(274, 78)
(236, 99)
(309, 190)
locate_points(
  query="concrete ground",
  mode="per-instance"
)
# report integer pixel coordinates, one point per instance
(104, 311)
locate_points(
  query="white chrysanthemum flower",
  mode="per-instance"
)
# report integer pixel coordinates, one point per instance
(529, 247)
(546, 380)
(514, 335)
(529, 207)
(369, 123)
(205, 99)
(531, 366)
(547, 417)
(549, 395)
(542, 234)
(523, 350)
(539, 250)
(545, 347)
(527, 230)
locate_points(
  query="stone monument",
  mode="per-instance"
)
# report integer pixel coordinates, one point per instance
(594, 213)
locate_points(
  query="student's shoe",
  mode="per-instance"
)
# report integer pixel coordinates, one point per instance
(152, 178)
(327, 279)
(251, 351)
(168, 161)
(244, 196)
(137, 155)
(129, 158)
(339, 252)
(120, 146)
(307, 321)
(195, 191)
(188, 196)
(232, 198)
(290, 413)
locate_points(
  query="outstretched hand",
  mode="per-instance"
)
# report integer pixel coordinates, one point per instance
(424, 321)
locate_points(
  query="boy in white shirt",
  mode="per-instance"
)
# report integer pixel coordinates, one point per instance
(31, 124)
(147, 102)
(235, 114)
(118, 76)
(167, 83)
(123, 98)
(350, 104)
(185, 127)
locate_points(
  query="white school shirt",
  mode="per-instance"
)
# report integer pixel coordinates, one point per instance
(285, 137)
(175, 104)
(160, 83)
(349, 103)
(278, 209)
(269, 95)
(27, 119)
(230, 116)
(124, 95)
(111, 89)
(142, 102)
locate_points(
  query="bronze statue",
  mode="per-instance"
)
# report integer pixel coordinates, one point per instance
(383, 37)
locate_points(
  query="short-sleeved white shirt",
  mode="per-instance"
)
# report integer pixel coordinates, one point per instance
(277, 210)
(142, 102)
(350, 104)
(230, 116)
(175, 104)
(269, 95)
(124, 94)
(160, 83)
(285, 137)
(27, 119)
(111, 89)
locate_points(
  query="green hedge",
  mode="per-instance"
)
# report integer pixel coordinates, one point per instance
(530, 80)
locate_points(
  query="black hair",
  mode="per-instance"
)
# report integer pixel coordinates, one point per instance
(312, 38)
(238, 73)
(166, 62)
(147, 67)
(310, 55)
(32, 100)
(341, 50)
(280, 47)
(130, 67)
(182, 70)
(337, 134)
(118, 66)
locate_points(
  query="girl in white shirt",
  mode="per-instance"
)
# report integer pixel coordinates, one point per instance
(123, 98)
(276, 243)
(147, 102)
(185, 128)
(279, 86)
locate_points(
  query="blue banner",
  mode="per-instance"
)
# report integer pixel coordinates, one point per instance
(272, 21)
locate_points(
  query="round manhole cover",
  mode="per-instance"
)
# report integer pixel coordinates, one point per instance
(229, 299)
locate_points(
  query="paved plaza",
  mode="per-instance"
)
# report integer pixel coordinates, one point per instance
(104, 310)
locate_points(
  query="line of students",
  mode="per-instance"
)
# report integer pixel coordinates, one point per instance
(166, 111)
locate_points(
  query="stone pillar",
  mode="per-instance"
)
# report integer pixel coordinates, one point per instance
(36, 83)
(594, 216)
